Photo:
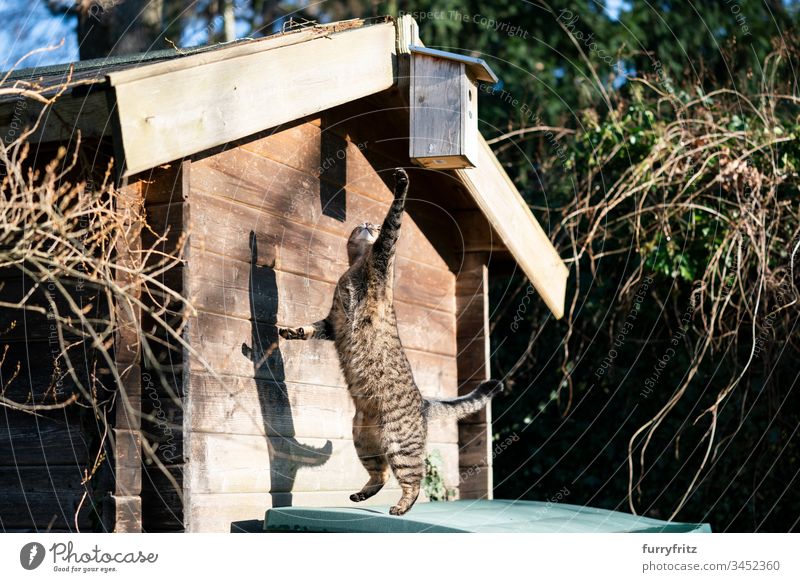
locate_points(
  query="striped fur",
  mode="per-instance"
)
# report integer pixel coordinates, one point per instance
(458, 408)
(390, 425)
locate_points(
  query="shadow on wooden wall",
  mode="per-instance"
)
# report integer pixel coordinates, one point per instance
(286, 454)
(332, 173)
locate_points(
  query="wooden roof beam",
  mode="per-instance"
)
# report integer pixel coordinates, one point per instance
(171, 110)
(509, 215)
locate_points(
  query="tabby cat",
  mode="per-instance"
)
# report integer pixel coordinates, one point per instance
(390, 425)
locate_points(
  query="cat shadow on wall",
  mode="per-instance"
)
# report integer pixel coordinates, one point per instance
(286, 454)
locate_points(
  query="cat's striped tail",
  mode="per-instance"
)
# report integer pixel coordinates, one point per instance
(462, 406)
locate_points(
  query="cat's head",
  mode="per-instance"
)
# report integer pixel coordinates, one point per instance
(361, 240)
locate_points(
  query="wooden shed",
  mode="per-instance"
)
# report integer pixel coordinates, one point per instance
(265, 153)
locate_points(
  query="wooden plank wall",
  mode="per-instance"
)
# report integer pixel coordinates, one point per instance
(125, 503)
(44, 457)
(474, 432)
(163, 391)
(268, 229)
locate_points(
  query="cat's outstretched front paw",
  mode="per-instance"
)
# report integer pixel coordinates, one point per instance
(400, 179)
(292, 333)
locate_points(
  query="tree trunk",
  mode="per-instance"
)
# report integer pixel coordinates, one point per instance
(120, 27)
(229, 19)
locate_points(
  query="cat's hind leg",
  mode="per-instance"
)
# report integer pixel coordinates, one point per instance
(366, 439)
(409, 478)
(407, 460)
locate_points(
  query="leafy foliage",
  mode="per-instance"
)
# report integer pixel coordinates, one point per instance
(675, 393)
(433, 484)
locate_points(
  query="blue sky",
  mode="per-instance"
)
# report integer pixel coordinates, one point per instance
(28, 24)
(615, 7)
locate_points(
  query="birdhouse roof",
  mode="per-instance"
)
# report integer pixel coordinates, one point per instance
(477, 68)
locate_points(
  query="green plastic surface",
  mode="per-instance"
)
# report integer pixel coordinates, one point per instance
(479, 516)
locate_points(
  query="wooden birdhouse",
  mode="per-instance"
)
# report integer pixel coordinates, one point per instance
(444, 108)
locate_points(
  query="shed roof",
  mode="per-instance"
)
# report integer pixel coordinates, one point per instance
(169, 105)
(472, 515)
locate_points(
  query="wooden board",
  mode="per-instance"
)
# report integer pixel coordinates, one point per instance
(268, 175)
(69, 116)
(236, 405)
(240, 468)
(163, 185)
(223, 285)
(222, 337)
(240, 48)
(326, 143)
(42, 498)
(224, 228)
(126, 444)
(509, 215)
(187, 109)
(252, 464)
(285, 194)
(162, 507)
(474, 440)
(472, 301)
(42, 457)
(29, 373)
(44, 440)
(166, 188)
(27, 325)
